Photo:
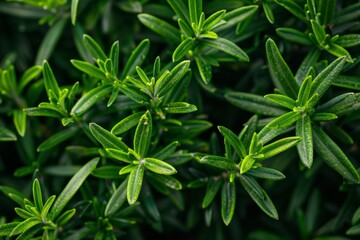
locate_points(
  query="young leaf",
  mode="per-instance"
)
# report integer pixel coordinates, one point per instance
(179, 107)
(47, 206)
(323, 117)
(254, 103)
(72, 187)
(89, 69)
(218, 162)
(65, 217)
(213, 188)
(106, 138)
(324, 79)
(319, 32)
(37, 195)
(279, 146)
(74, 7)
(228, 201)
(282, 100)
(127, 123)
(57, 138)
(25, 225)
(93, 48)
(339, 51)
(89, 99)
(228, 47)
(305, 147)
(184, 47)
(159, 166)
(117, 199)
(164, 29)
(136, 58)
(259, 195)
(246, 164)
(29, 75)
(20, 122)
(284, 79)
(50, 81)
(185, 28)
(265, 173)
(195, 9)
(234, 141)
(142, 137)
(49, 41)
(134, 183)
(213, 19)
(333, 155)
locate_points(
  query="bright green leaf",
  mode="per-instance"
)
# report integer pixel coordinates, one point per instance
(134, 183)
(127, 123)
(305, 147)
(106, 138)
(228, 201)
(142, 137)
(218, 162)
(159, 166)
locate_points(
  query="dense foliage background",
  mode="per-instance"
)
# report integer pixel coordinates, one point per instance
(221, 119)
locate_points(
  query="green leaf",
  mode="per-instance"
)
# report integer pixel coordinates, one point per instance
(356, 217)
(268, 12)
(259, 195)
(164, 29)
(324, 79)
(14, 194)
(49, 41)
(282, 100)
(236, 16)
(106, 138)
(213, 188)
(294, 8)
(127, 123)
(170, 81)
(246, 164)
(323, 117)
(57, 138)
(319, 32)
(180, 9)
(29, 75)
(72, 187)
(331, 153)
(282, 123)
(327, 11)
(228, 201)
(119, 155)
(42, 112)
(134, 184)
(339, 51)
(179, 107)
(23, 213)
(254, 103)
(25, 225)
(47, 206)
(166, 151)
(6, 228)
(117, 199)
(342, 104)
(89, 69)
(20, 122)
(159, 166)
(265, 173)
(293, 35)
(65, 217)
(185, 28)
(308, 62)
(348, 40)
(37, 195)
(218, 162)
(89, 99)
(142, 137)
(93, 48)
(354, 230)
(204, 69)
(213, 19)
(183, 48)
(165, 180)
(228, 47)
(234, 141)
(136, 58)
(351, 82)
(305, 147)
(195, 9)
(127, 169)
(74, 7)
(283, 77)
(304, 92)
(7, 135)
(279, 146)
(50, 81)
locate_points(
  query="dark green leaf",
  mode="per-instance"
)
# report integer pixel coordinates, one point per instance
(236, 16)
(356, 217)
(179, 107)
(50, 81)
(166, 151)
(127, 123)
(93, 48)
(134, 184)
(268, 12)
(165, 180)
(293, 35)
(142, 137)
(327, 11)
(324, 79)
(49, 41)
(14, 194)
(213, 188)
(293, 7)
(136, 58)
(331, 153)
(180, 9)
(319, 32)
(308, 62)
(228, 201)
(233, 140)
(89, 69)
(204, 69)
(348, 40)
(89, 99)
(107, 172)
(57, 138)
(265, 173)
(228, 47)
(351, 82)
(72, 187)
(259, 195)
(283, 77)
(305, 147)
(218, 162)
(164, 29)
(342, 104)
(7, 135)
(106, 138)
(29, 75)
(20, 121)
(282, 100)
(159, 167)
(117, 199)
(185, 28)
(181, 50)
(354, 230)
(254, 103)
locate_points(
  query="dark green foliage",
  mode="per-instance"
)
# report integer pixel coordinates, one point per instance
(177, 119)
